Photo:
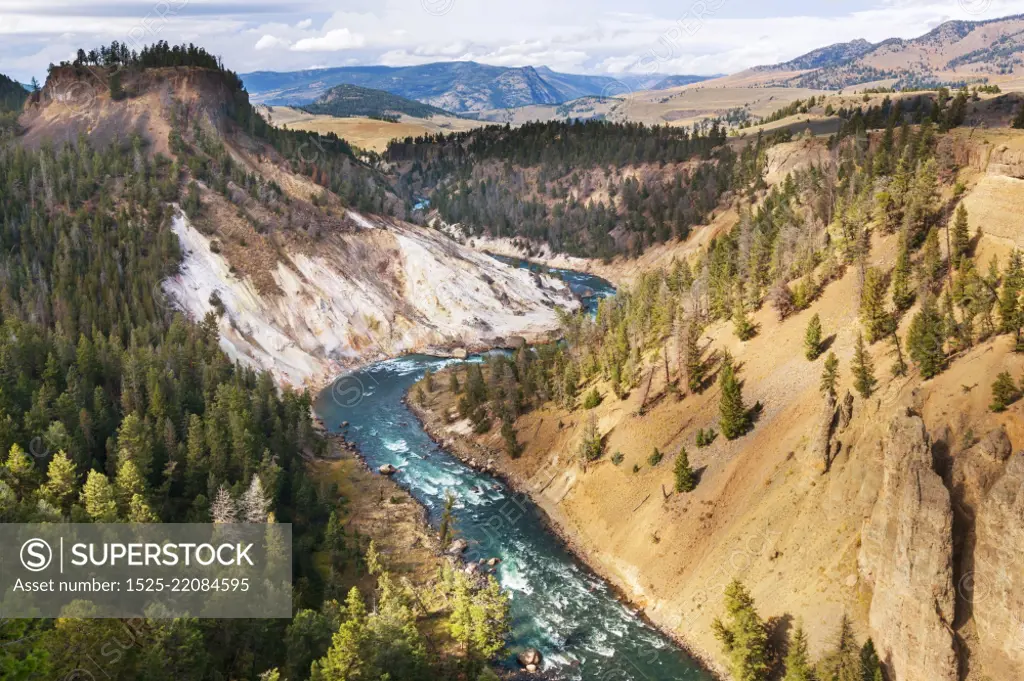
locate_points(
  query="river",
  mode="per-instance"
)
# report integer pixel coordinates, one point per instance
(558, 605)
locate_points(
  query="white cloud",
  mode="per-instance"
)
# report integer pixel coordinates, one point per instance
(332, 41)
(595, 36)
(268, 42)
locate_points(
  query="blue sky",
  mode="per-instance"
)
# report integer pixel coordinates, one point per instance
(597, 36)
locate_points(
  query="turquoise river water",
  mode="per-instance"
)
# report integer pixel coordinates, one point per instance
(558, 605)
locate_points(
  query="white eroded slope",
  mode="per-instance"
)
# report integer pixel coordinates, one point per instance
(384, 290)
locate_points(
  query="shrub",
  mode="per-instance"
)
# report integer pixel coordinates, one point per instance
(705, 437)
(592, 399)
(655, 458)
(1004, 392)
(617, 458)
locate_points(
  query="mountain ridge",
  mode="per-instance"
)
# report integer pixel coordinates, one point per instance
(953, 53)
(347, 100)
(459, 87)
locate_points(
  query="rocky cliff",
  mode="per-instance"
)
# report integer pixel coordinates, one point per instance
(997, 582)
(384, 289)
(906, 555)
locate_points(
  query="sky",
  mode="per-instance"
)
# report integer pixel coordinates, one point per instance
(666, 37)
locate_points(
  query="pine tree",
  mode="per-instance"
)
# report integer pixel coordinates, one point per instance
(931, 262)
(453, 383)
(223, 509)
(133, 442)
(798, 663)
(1004, 392)
(873, 314)
(1010, 313)
(21, 470)
(686, 480)
(870, 665)
(508, 434)
(744, 328)
(127, 484)
(61, 482)
(842, 663)
(98, 498)
(254, 506)
(694, 359)
(926, 339)
(830, 375)
(961, 236)
(863, 369)
(812, 338)
(743, 635)
(140, 512)
(591, 441)
(902, 286)
(899, 365)
(734, 420)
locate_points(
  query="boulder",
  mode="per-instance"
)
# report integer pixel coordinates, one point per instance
(530, 657)
(387, 469)
(516, 342)
(821, 448)
(460, 353)
(845, 411)
(458, 547)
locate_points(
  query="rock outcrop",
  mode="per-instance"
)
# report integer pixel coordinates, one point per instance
(821, 451)
(384, 289)
(906, 555)
(998, 578)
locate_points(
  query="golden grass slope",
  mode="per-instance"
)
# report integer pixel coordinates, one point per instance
(367, 133)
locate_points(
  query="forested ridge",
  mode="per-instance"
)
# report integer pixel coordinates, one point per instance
(785, 249)
(116, 408)
(351, 100)
(572, 185)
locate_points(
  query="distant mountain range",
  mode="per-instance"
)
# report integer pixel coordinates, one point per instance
(352, 100)
(458, 87)
(953, 53)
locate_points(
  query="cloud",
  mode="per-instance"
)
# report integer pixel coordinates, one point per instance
(268, 42)
(332, 41)
(581, 36)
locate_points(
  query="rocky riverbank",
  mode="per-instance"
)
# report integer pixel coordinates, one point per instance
(482, 458)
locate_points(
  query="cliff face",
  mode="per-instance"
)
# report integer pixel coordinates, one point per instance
(906, 555)
(384, 289)
(998, 579)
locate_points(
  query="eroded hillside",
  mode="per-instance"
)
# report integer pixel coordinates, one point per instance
(278, 232)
